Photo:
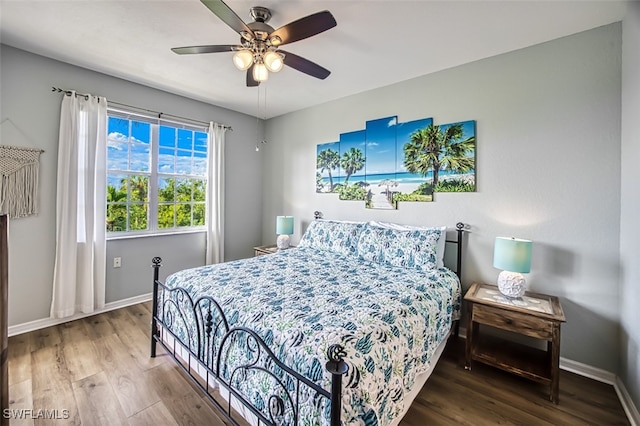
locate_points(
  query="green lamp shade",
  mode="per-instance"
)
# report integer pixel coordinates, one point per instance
(284, 225)
(512, 254)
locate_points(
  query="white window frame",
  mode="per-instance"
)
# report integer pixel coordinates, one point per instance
(153, 174)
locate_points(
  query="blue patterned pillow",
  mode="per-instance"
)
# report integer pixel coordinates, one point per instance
(414, 248)
(340, 237)
(441, 242)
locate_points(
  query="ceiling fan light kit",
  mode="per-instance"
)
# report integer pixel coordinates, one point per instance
(243, 59)
(274, 61)
(270, 61)
(259, 53)
(260, 72)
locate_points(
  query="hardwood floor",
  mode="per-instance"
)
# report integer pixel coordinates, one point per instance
(97, 371)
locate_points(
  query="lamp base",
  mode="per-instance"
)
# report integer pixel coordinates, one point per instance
(512, 284)
(282, 242)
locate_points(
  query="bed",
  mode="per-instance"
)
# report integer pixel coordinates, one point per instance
(343, 329)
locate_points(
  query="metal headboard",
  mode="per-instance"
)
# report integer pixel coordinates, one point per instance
(460, 229)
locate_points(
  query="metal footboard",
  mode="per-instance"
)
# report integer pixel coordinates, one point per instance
(215, 355)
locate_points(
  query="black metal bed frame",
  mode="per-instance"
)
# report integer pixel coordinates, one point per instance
(214, 341)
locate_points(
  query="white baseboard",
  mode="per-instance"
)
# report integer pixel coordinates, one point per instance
(48, 322)
(589, 371)
(606, 377)
(600, 375)
(627, 403)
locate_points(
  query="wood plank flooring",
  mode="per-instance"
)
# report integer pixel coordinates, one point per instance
(97, 371)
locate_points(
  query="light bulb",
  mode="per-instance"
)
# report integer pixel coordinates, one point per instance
(260, 72)
(273, 61)
(243, 59)
(275, 41)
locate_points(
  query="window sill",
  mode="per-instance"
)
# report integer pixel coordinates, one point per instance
(130, 235)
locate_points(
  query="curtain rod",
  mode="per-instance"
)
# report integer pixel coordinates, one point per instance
(158, 113)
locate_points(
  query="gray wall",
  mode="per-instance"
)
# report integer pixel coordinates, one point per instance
(548, 169)
(629, 229)
(33, 114)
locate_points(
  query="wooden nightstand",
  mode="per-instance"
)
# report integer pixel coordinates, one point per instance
(262, 250)
(268, 249)
(535, 315)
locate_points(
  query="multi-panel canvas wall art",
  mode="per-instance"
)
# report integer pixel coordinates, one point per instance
(390, 162)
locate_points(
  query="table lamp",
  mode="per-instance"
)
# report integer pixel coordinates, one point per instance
(284, 228)
(513, 256)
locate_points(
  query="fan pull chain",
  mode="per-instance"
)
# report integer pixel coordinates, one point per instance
(258, 122)
(264, 110)
(258, 141)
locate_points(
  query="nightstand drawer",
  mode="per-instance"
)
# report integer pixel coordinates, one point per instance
(513, 321)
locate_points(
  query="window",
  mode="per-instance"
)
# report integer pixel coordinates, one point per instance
(156, 175)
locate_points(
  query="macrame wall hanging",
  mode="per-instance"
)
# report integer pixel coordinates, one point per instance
(19, 181)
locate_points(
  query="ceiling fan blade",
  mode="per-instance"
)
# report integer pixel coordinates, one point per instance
(189, 50)
(305, 65)
(251, 82)
(229, 17)
(303, 28)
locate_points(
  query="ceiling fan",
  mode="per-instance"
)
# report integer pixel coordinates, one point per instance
(259, 49)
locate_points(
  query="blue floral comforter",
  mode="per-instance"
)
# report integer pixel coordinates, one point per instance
(302, 300)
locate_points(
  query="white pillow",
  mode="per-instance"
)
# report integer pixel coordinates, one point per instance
(441, 241)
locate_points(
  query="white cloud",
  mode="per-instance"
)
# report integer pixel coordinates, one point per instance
(120, 137)
(392, 122)
(117, 137)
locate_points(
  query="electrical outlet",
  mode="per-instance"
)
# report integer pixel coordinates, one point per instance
(117, 262)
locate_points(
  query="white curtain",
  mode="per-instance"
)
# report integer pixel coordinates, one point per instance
(215, 194)
(80, 266)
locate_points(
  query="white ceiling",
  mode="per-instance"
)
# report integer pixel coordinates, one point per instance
(376, 43)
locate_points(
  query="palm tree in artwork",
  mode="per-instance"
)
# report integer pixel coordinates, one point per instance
(352, 161)
(328, 160)
(432, 148)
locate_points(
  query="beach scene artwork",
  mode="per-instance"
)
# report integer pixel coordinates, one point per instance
(391, 162)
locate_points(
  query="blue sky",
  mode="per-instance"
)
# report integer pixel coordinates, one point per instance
(181, 151)
(381, 145)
